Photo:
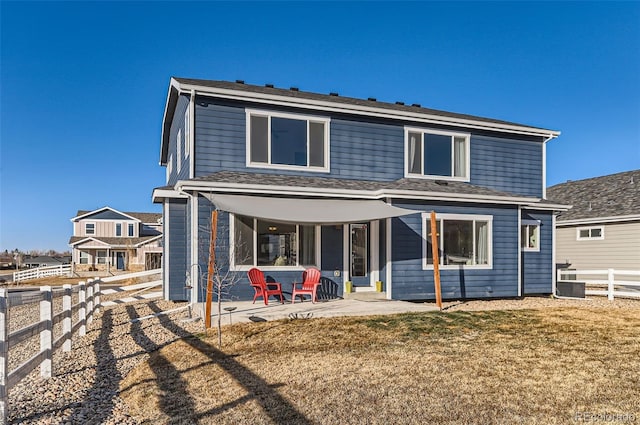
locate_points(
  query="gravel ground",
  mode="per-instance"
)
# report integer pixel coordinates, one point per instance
(85, 383)
(84, 388)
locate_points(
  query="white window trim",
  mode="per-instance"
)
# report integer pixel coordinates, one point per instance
(169, 167)
(131, 226)
(531, 223)
(244, 267)
(187, 130)
(590, 238)
(426, 217)
(115, 230)
(325, 120)
(466, 136)
(94, 228)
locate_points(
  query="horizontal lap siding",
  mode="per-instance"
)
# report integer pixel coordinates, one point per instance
(178, 125)
(178, 249)
(507, 165)
(368, 151)
(355, 147)
(411, 282)
(620, 248)
(220, 139)
(537, 267)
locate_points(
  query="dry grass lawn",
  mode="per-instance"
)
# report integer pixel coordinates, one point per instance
(489, 367)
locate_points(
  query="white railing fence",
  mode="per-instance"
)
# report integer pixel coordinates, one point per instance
(63, 269)
(89, 302)
(610, 282)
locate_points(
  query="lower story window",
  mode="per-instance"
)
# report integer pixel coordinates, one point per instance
(463, 240)
(84, 257)
(101, 257)
(265, 243)
(530, 236)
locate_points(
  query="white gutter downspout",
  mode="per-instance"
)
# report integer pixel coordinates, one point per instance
(192, 132)
(544, 164)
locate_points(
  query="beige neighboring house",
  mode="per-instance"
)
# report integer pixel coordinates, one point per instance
(108, 240)
(602, 229)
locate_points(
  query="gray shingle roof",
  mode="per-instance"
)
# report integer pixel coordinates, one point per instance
(607, 196)
(113, 241)
(418, 185)
(142, 216)
(298, 94)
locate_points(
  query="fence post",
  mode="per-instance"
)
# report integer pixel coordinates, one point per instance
(4, 356)
(82, 311)
(610, 282)
(89, 301)
(66, 320)
(46, 340)
(96, 295)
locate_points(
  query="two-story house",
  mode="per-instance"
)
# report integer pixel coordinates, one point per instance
(108, 240)
(347, 185)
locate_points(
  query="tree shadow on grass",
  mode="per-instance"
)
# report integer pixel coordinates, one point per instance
(175, 400)
(279, 409)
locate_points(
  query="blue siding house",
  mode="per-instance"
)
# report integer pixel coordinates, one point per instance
(347, 185)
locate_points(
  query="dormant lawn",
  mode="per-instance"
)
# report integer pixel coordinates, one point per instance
(532, 366)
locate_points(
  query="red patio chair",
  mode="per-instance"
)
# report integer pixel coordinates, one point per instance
(262, 288)
(309, 285)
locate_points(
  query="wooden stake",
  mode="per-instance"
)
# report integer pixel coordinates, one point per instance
(436, 259)
(212, 268)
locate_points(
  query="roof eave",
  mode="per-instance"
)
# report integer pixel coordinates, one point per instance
(359, 110)
(189, 186)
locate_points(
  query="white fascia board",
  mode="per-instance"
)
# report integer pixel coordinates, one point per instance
(159, 195)
(173, 85)
(547, 207)
(155, 238)
(86, 240)
(597, 220)
(362, 110)
(346, 193)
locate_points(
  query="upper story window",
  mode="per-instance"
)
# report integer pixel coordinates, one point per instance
(130, 232)
(590, 233)
(287, 141)
(436, 154)
(89, 228)
(118, 229)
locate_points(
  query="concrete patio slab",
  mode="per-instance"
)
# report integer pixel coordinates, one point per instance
(246, 311)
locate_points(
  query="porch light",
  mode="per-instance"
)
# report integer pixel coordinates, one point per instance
(272, 228)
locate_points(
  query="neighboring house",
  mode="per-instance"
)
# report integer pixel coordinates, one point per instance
(110, 240)
(7, 261)
(45, 261)
(347, 185)
(602, 229)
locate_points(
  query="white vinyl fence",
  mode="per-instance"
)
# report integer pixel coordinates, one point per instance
(89, 302)
(612, 283)
(63, 269)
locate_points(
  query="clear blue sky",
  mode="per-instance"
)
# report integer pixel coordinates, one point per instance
(84, 84)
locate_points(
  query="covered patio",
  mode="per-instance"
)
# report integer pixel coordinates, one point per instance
(353, 305)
